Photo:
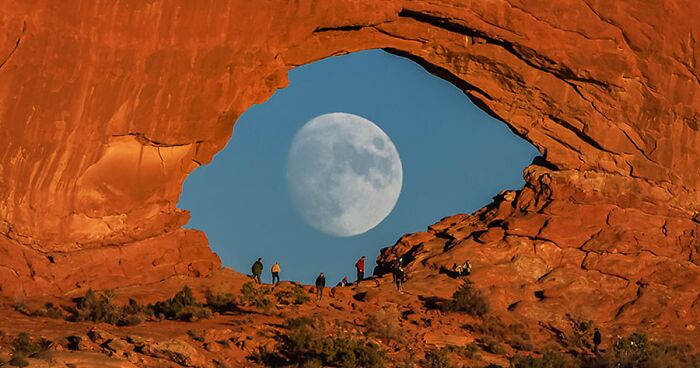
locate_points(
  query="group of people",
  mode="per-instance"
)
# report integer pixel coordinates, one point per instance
(463, 269)
(396, 268)
(257, 270)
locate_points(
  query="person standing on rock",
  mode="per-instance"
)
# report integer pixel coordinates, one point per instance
(276, 273)
(360, 266)
(399, 276)
(320, 284)
(597, 338)
(257, 270)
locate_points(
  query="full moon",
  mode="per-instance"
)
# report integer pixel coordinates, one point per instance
(344, 174)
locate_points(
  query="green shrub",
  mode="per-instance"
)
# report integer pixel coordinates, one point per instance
(22, 347)
(548, 360)
(18, 360)
(636, 350)
(308, 343)
(183, 306)
(22, 344)
(469, 351)
(297, 295)
(514, 334)
(47, 310)
(384, 324)
(353, 352)
(467, 299)
(581, 332)
(95, 308)
(193, 313)
(491, 345)
(436, 358)
(221, 303)
(99, 308)
(256, 296)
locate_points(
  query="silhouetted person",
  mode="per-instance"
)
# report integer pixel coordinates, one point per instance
(276, 272)
(597, 338)
(360, 266)
(394, 265)
(399, 276)
(320, 284)
(257, 270)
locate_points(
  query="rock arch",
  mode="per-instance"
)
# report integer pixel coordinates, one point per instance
(106, 109)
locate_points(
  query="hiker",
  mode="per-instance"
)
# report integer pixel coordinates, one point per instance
(257, 270)
(320, 284)
(343, 282)
(394, 265)
(457, 270)
(466, 268)
(360, 265)
(276, 273)
(399, 276)
(596, 340)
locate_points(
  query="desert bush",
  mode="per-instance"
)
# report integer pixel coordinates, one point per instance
(22, 344)
(255, 296)
(581, 332)
(469, 351)
(22, 347)
(436, 358)
(183, 306)
(637, 351)
(295, 296)
(47, 310)
(467, 299)
(384, 324)
(95, 308)
(308, 343)
(353, 352)
(491, 345)
(514, 334)
(221, 302)
(99, 308)
(548, 360)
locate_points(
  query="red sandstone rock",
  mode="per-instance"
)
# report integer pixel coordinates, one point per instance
(105, 109)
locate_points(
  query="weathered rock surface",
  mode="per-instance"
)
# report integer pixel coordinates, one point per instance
(104, 111)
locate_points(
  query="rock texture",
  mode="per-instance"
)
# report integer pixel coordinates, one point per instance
(106, 108)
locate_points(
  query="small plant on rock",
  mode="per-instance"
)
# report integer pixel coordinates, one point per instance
(95, 308)
(22, 347)
(221, 302)
(548, 360)
(437, 358)
(384, 324)
(183, 306)
(256, 296)
(308, 343)
(297, 295)
(467, 299)
(99, 308)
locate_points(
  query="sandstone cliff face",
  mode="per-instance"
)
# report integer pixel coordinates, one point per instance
(105, 109)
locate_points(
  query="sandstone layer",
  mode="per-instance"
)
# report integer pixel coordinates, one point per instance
(106, 108)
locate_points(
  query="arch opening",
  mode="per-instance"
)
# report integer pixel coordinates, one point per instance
(455, 158)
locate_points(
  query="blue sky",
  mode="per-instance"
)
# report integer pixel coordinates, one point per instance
(455, 158)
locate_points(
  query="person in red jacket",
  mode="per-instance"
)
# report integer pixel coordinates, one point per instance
(360, 265)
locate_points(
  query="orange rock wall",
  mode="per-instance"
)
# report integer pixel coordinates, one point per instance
(106, 107)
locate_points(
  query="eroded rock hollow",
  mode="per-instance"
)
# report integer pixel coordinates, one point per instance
(105, 109)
